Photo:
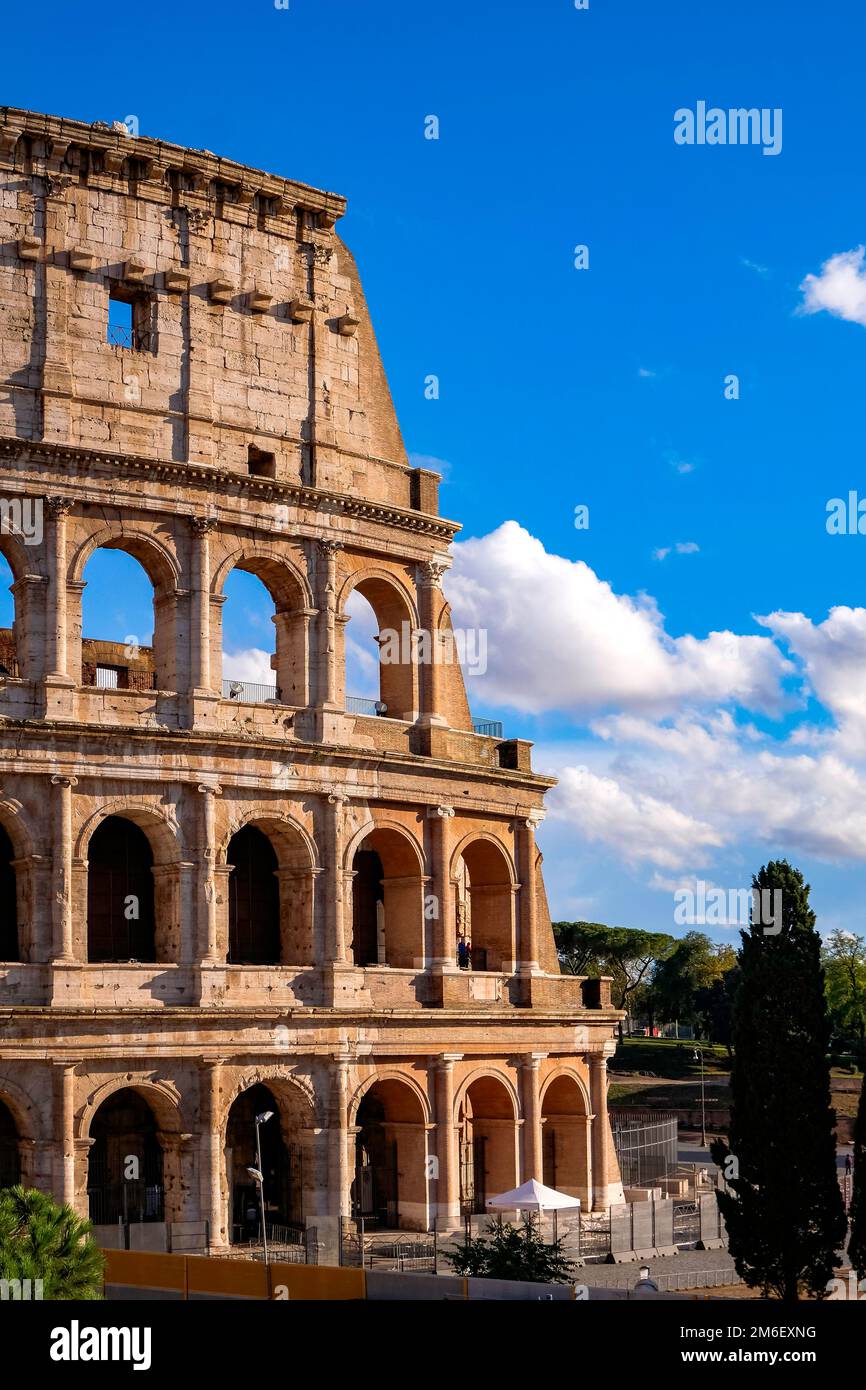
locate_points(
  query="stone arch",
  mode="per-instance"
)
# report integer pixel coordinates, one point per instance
(391, 1120)
(295, 870)
(488, 1120)
(29, 1119)
(133, 1117)
(389, 1074)
(482, 871)
(28, 598)
(387, 867)
(396, 612)
(102, 888)
(290, 593)
(24, 930)
(288, 1156)
(18, 1135)
(565, 1110)
(161, 566)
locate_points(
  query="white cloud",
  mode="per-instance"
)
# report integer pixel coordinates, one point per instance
(681, 548)
(560, 638)
(840, 288)
(251, 665)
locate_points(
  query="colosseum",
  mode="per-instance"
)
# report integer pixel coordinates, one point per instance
(232, 915)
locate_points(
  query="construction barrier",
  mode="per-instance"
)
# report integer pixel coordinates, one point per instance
(135, 1274)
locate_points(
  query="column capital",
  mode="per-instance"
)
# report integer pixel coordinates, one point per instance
(532, 1060)
(534, 819)
(335, 797)
(439, 812)
(430, 572)
(59, 506)
(329, 548)
(209, 789)
(201, 525)
(446, 1060)
(63, 779)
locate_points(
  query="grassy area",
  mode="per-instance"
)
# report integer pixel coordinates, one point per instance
(668, 1058)
(661, 1097)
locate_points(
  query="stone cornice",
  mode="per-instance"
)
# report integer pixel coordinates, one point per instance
(207, 478)
(161, 156)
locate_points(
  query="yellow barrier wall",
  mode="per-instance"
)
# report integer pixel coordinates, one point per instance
(144, 1270)
(196, 1274)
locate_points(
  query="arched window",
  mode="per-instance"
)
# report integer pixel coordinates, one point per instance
(121, 922)
(390, 1188)
(281, 1168)
(387, 902)
(254, 900)
(484, 905)
(380, 651)
(119, 617)
(264, 634)
(10, 1164)
(9, 943)
(125, 1162)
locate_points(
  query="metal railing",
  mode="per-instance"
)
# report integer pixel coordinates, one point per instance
(119, 336)
(490, 728)
(250, 693)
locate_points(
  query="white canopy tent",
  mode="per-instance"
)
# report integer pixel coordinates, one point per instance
(534, 1196)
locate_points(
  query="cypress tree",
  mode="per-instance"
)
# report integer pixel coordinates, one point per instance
(857, 1210)
(784, 1211)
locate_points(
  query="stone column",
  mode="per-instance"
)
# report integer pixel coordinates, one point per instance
(444, 945)
(213, 1205)
(62, 867)
(56, 617)
(533, 1163)
(334, 879)
(528, 906)
(65, 1131)
(200, 638)
(430, 605)
(326, 693)
(208, 951)
(604, 1177)
(341, 1173)
(448, 1190)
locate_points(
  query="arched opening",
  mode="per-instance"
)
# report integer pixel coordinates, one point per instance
(127, 620)
(9, 667)
(484, 904)
(387, 902)
(565, 1138)
(264, 635)
(254, 899)
(281, 1166)
(121, 916)
(390, 1187)
(125, 1163)
(380, 651)
(487, 1133)
(10, 947)
(10, 1162)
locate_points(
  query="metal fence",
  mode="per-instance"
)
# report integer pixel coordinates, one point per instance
(646, 1145)
(249, 692)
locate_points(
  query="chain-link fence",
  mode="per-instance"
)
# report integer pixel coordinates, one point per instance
(646, 1145)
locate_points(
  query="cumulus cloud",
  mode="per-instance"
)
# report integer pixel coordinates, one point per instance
(560, 638)
(252, 665)
(833, 656)
(840, 288)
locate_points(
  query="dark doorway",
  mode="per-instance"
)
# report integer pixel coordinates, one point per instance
(281, 1167)
(121, 921)
(9, 947)
(254, 900)
(367, 893)
(10, 1166)
(124, 1173)
(375, 1196)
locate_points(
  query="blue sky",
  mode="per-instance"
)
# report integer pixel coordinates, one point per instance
(602, 386)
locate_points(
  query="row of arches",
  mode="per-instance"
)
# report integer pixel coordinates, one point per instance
(132, 1153)
(128, 629)
(267, 875)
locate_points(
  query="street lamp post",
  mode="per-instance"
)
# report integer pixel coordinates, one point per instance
(698, 1055)
(258, 1174)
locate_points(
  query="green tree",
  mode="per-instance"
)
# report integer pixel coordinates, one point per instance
(513, 1252)
(845, 969)
(784, 1210)
(857, 1210)
(626, 954)
(714, 1006)
(694, 964)
(41, 1240)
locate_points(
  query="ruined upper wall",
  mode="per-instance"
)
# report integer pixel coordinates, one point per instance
(253, 349)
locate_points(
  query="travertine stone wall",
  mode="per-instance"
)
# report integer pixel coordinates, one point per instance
(248, 424)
